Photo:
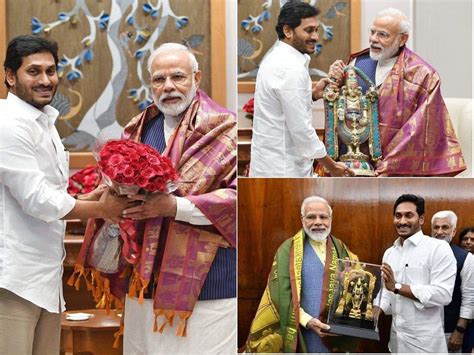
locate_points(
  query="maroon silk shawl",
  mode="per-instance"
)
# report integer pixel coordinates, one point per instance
(179, 255)
(417, 135)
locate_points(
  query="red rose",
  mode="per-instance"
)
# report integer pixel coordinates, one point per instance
(153, 160)
(128, 180)
(129, 172)
(73, 190)
(79, 177)
(249, 106)
(111, 172)
(144, 165)
(86, 190)
(151, 187)
(135, 166)
(148, 173)
(115, 159)
(121, 168)
(90, 180)
(141, 181)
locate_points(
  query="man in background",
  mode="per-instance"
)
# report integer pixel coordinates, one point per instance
(459, 313)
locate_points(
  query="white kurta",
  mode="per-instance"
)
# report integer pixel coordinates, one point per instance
(428, 266)
(284, 141)
(33, 180)
(212, 329)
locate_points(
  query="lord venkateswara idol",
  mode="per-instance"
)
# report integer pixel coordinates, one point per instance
(351, 124)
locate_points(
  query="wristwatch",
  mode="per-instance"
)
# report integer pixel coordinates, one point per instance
(397, 288)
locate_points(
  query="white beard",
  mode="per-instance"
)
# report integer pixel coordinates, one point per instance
(318, 236)
(386, 53)
(447, 239)
(175, 110)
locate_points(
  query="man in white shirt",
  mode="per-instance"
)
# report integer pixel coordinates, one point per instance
(418, 274)
(460, 311)
(416, 133)
(284, 141)
(33, 199)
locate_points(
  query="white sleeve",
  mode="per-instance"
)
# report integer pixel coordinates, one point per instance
(186, 211)
(439, 291)
(296, 99)
(20, 173)
(384, 296)
(467, 288)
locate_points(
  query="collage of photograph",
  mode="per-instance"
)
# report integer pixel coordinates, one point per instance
(236, 176)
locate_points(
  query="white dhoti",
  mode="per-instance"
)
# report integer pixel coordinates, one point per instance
(211, 329)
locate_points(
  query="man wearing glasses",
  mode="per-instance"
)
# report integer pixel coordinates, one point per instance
(301, 285)
(417, 135)
(182, 293)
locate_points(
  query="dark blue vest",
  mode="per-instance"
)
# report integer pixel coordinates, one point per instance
(311, 292)
(451, 311)
(368, 66)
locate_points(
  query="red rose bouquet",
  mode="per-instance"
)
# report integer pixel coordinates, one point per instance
(248, 107)
(128, 167)
(84, 181)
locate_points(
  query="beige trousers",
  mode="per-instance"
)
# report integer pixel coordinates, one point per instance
(26, 328)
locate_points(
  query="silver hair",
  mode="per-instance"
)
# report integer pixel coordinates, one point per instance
(450, 215)
(172, 47)
(405, 25)
(311, 199)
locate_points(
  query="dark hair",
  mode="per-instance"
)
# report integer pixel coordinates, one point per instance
(25, 45)
(292, 13)
(418, 201)
(465, 231)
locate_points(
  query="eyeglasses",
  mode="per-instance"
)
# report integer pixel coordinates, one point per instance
(177, 78)
(379, 34)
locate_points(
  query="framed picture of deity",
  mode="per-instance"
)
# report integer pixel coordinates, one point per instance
(339, 35)
(103, 51)
(358, 292)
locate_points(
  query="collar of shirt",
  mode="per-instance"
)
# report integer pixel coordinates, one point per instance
(303, 59)
(170, 124)
(383, 69)
(415, 239)
(48, 113)
(319, 248)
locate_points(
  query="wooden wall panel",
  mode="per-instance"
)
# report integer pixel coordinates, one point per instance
(269, 213)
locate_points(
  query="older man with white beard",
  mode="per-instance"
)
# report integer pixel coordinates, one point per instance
(181, 295)
(304, 266)
(417, 135)
(460, 312)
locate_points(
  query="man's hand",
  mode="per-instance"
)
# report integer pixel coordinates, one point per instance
(111, 206)
(377, 312)
(93, 195)
(455, 341)
(316, 325)
(318, 88)
(388, 277)
(336, 72)
(155, 205)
